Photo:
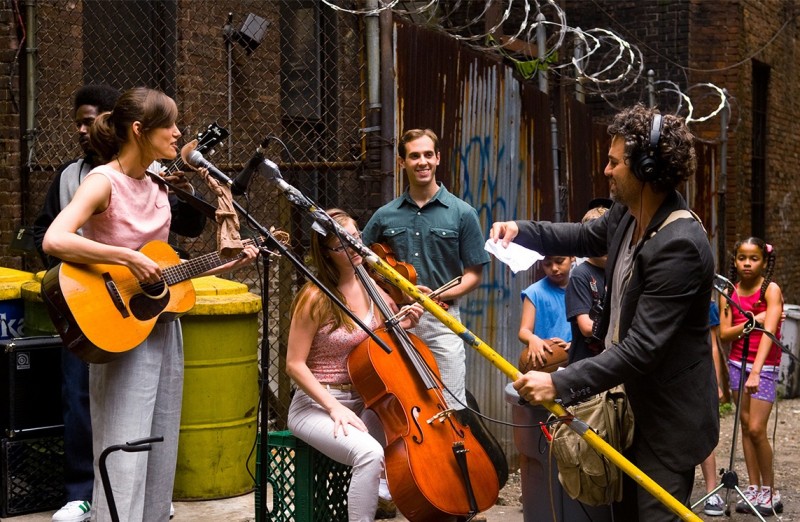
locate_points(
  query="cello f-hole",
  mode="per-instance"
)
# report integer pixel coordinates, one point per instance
(455, 427)
(415, 415)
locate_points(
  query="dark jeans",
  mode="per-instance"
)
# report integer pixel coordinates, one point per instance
(78, 457)
(637, 503)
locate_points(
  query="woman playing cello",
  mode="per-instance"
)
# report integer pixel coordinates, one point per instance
(325, 411)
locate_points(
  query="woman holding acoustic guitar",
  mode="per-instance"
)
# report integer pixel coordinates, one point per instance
(118, 208)
(326, 410)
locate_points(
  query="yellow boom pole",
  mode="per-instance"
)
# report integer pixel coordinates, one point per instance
(578, 426)
(581, 428)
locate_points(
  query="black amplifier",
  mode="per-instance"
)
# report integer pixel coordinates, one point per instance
(30, 384)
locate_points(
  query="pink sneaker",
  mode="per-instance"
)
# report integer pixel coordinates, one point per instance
(769, 502)
(751, 494)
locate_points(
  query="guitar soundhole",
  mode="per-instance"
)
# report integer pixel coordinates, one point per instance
(147, 305)
(154, 290)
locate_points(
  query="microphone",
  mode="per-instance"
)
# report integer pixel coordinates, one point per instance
(195, 159)
(721, 283)
(242, 180)
(271, 171)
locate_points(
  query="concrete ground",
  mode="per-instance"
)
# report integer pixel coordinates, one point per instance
(242, 509)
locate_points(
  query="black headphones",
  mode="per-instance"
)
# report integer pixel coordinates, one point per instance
(645, 165)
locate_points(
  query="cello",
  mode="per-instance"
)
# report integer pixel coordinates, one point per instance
(435, 467)
(466, 416)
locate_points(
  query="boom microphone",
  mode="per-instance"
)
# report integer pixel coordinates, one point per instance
(242, 180)
(196, 160)
(271, 171)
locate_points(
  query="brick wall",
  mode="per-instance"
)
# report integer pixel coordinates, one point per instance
(726, 38)
(691, 42)
(201, 82)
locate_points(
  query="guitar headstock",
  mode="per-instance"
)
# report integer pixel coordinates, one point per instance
(210, 138)
(206, 141)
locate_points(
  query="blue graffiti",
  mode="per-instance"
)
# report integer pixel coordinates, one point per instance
(491, 205)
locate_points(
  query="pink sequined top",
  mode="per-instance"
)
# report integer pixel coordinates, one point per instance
(327, 358)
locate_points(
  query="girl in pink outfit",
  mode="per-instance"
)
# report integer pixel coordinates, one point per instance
(326, 411)
(751, 270)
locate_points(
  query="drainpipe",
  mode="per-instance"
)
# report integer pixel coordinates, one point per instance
(373, 127)
(227, 34)
(30, 105)
(723, 179)
(541, 44)
(556, 174)
(578, 55)
(388, 155)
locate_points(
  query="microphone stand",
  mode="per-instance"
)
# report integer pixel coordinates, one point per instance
(730, 480)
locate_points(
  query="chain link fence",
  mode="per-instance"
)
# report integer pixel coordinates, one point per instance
(285, 73)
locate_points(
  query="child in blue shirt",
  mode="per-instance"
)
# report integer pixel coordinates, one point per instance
(544, 315)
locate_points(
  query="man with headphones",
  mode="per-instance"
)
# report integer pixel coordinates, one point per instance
(654, 322)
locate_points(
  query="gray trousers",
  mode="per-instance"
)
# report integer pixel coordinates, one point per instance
(311, 423)
(448, 350)
(136, 396)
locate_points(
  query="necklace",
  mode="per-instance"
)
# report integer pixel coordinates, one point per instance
(120, 166)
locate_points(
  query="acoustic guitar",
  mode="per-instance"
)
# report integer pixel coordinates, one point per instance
(122, 334)
(102, 311)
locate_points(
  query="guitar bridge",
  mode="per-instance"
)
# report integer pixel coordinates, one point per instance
(113, 292)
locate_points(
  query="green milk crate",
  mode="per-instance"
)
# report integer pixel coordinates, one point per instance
(306, 485)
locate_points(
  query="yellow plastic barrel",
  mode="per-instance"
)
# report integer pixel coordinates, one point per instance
(37, 320)
(12, 309)
(220, 391)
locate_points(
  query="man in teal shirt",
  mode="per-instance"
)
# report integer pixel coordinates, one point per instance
(441, 237)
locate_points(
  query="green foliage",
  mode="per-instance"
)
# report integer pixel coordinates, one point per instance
(526, 68)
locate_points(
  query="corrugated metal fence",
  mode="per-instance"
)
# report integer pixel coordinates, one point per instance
(497, 154)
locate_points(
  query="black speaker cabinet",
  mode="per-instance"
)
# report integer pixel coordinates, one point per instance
(30, 388)
(32, 439)
(32, 472)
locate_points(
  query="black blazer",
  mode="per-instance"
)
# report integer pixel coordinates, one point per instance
(664, 354)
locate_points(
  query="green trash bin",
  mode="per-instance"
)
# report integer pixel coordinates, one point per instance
(12, 309)
(220, 391)
(37, 320)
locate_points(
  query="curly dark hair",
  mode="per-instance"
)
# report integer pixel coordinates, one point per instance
(675, 157)
(101, 96)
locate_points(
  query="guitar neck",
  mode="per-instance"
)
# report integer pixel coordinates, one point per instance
(194, 267)
(174, 167)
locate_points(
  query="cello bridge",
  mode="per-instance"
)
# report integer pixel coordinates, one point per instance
(441, 416)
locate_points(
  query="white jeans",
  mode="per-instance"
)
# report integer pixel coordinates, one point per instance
(136, 396)
(311, 423)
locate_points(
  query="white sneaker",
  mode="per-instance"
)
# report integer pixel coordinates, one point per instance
(171, 510)
(714, 506)
(75, 511)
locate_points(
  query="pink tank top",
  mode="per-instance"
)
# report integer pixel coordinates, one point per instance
(750, 303)
(327, 358)
(138, 212)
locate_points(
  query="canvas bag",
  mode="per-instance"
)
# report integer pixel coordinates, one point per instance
(585, 474)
